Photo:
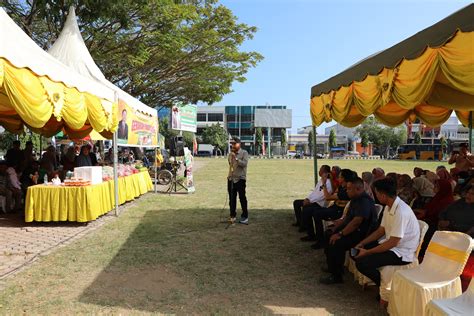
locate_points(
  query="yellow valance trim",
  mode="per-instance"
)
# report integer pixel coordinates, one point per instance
(26, 98)
(429, 87)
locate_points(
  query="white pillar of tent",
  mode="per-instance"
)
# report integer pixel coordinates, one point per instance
(115, 150)
(116, 194)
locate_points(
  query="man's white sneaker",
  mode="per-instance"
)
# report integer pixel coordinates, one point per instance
(244, 220)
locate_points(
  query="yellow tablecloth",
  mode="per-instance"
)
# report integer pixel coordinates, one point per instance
(46, 203)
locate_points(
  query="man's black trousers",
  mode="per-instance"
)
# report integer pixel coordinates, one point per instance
(233, 188)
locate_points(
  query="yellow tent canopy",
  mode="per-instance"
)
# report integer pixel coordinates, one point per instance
(428, 76)
(40, 92)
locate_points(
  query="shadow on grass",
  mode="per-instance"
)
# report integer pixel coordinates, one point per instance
(185, 261)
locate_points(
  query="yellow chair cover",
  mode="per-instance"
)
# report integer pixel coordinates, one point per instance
(436, 277)
(387, 272)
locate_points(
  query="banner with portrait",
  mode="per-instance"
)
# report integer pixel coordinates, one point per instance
(184, 117)
(138, 126)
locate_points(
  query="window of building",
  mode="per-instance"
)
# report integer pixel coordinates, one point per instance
(201, 117)
(215, 117)
(246, 117)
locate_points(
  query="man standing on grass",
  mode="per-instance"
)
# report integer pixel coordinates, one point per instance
(236, 181)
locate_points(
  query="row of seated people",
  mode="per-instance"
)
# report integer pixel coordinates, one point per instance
(391, 237)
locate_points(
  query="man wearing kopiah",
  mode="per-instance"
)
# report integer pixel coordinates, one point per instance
(236, 181)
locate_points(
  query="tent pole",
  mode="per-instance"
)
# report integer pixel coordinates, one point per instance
(470, 133)
(156, 168)
(116, 195)
(315, 157)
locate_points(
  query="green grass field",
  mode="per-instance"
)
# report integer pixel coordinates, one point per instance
(170, 254)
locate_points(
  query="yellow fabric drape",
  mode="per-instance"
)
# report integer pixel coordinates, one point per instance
(26, 98)
(429, 87)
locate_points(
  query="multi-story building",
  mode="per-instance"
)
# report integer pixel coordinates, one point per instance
(240, 121)
(299, 142)
(210, 115)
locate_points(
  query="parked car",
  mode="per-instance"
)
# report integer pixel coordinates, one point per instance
(203, 153)
(291, 153)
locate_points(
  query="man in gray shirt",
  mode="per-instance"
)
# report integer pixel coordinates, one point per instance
(236, 181)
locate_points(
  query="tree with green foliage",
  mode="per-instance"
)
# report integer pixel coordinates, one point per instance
(7, 139)
(444, 144)
(216, 135)
(364, 141)
(417, 138)
(332, 139)
(161, 51)
(310, 142)
(383, 138)
(166, 131)
(258, 140)
(284, 142)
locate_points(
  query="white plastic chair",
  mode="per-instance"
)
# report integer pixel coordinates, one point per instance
(387, 272)
(461, 305)
(436, 277)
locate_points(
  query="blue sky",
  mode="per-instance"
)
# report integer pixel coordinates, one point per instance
(305, 42)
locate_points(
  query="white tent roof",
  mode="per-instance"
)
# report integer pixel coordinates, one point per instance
(22, 52)
(70, 49)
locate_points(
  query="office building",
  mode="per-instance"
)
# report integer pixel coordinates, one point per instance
(242, 121)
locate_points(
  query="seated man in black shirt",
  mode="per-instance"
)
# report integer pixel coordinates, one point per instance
(360, 220)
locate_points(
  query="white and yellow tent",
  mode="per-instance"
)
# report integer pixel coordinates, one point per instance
(71, 50)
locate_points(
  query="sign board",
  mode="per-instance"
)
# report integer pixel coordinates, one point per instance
(137, 127)
(184, 118)
(274, 118)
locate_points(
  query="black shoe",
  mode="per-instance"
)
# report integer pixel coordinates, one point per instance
(318, 245)
(308, 238)
(331, 279)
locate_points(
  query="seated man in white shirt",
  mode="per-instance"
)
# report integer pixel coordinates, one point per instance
(400, 230)
(315, 197)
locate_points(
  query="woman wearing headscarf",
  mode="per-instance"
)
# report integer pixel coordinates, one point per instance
(68, 160)
(443, 174)
(405, 189)
(368, 178)
(433, 177)
(84, 159)
(424, 188)
(430, 212)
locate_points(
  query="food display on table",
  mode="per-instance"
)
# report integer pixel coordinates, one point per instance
(107, 173)
(126, 170)
(76, 182)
